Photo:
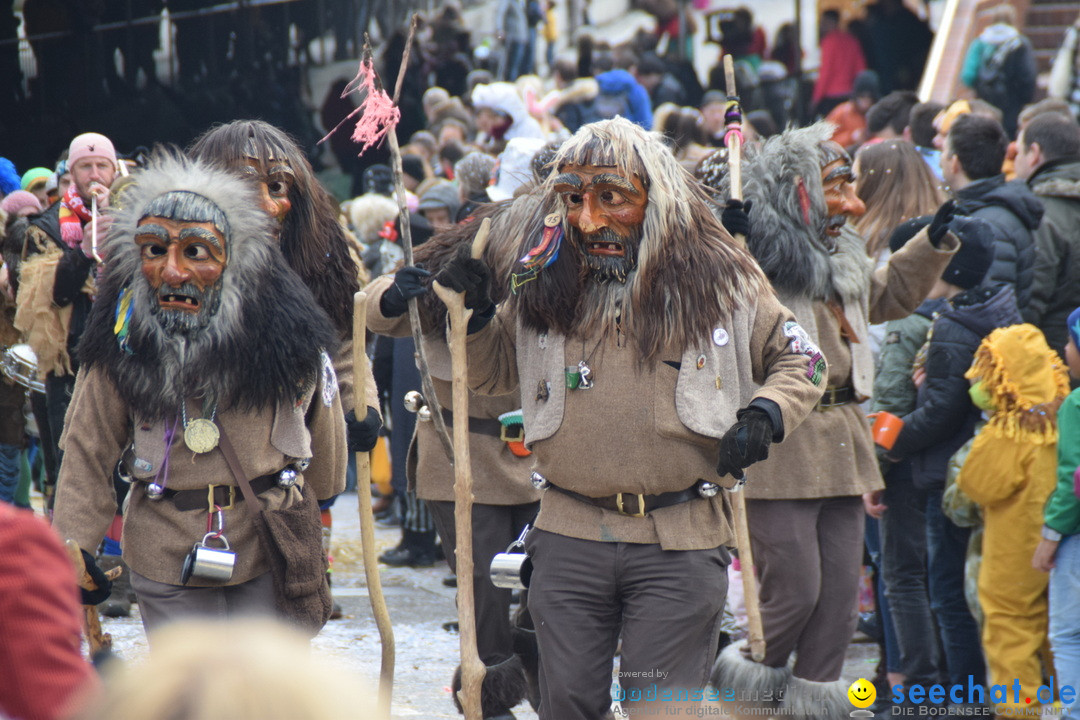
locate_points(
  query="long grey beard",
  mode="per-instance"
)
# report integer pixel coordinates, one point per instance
(600, 309)
(182, 323)
(605, 268)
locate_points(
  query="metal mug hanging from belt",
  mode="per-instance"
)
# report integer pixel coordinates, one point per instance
(207, 563)
(512, 570)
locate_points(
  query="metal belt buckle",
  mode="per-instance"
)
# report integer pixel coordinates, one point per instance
(232, 496)
(641, 504)
(520, 437)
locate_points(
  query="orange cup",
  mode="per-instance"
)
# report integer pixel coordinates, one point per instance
(886, 428)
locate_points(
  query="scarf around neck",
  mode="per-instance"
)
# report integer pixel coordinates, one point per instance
(73, 215)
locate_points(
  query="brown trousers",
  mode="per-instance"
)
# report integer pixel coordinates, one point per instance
(808, 555)
(665, 604)
(160, 603)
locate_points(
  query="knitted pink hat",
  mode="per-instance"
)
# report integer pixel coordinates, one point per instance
(20, 200)
(90, 145)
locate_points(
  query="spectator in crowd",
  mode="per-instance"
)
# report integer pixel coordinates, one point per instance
(40, 620)
(896, 43)
(440, 205)
(849, 117)
(512, 30)
(713, 105)
(473, 173)
(920, 131)
(1057, 551)
(1048, 158)
(241, 679)
(652, 74)
(786, 49)
(971, 164)
(841, 62)
(1020, 383)
(501, 116)
(1065, 73)
(889, 117)
(1000, 66)
(895, 185)
(33, 180)
(943, 420)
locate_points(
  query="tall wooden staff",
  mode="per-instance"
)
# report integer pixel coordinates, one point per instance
(733, 139)
(406, 246)
(367, 518)
(472, 669)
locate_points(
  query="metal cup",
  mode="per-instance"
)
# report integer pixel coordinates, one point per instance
(208, 563)
(512, 570)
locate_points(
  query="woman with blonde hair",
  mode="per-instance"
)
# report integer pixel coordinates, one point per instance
(896, 184)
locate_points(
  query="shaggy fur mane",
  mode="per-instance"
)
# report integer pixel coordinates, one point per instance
(261, 347)
(789, 249)
(312, 238)
(690, 275)
(508, 218)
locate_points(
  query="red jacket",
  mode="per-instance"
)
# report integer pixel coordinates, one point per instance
(841, 60)
(41, 663)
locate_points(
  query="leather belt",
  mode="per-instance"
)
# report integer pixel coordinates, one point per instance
(835, 397)
(224, 496)
(635, 504)
(479, 426)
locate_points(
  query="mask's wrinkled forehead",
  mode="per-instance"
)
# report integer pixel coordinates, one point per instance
(596, 150)
(829, 153)
(187, 206)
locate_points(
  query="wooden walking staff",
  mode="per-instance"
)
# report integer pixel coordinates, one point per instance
(99, 642)
(472, 669)
(733, 139)
(367, 517)
(406, 246)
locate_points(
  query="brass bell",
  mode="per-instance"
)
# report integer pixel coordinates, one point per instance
(414, 401)
(424, 414)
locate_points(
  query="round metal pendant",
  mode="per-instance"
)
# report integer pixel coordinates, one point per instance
(201, 435)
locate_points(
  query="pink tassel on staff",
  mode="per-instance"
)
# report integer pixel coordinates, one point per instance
(377, 111)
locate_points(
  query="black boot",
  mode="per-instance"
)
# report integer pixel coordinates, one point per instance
(525, 647)
(416, 549)
(502, 689)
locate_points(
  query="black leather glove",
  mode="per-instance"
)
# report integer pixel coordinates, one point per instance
(409, 282)
(104, 584)
(361, 435)
(745, 443)
(736, 217)
(470, 276)
(940, 224)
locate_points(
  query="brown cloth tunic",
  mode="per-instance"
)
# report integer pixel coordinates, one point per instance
(499, 476)
(626, 434)
(832, 453)
(100, 427)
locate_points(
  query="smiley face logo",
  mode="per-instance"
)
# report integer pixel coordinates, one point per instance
(862, 693)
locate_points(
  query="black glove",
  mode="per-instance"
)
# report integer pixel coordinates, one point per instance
(470, 276)
(745, 443)
(940, 224)
(104, 584)
(736, 217)
(409, 282)
(361, 435)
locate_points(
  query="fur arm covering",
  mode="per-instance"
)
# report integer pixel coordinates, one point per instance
(45, 325)
(899, 287)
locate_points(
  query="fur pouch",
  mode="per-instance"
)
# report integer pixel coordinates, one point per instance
(292, 540)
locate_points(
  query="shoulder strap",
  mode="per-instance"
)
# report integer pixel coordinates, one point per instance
(231, 459)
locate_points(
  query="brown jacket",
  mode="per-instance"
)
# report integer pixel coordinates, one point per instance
(832, 453)
(499, 476)
(643, 429)
(100, 427)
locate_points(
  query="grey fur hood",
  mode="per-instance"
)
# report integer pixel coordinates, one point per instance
(782, 178)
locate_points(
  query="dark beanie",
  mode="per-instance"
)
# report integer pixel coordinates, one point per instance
(972, 261)
(413, 166)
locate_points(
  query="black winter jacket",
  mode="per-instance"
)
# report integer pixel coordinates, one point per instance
(944, 417)
(1016, 212)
